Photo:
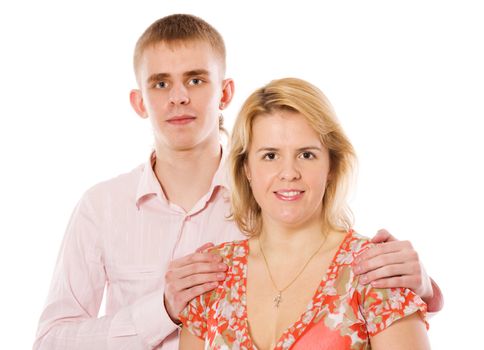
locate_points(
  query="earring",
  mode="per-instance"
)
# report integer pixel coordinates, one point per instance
(222, 105)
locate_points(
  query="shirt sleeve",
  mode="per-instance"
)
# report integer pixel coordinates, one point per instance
(382, 307)
(69, 319)
(436, 303)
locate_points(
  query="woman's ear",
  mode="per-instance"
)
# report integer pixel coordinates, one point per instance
(247, 172)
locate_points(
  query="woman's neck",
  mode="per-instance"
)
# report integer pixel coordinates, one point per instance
(281, 239)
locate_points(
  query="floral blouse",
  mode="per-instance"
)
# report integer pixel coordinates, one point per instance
(342, 314)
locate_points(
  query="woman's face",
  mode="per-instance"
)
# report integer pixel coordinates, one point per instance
(288, 168)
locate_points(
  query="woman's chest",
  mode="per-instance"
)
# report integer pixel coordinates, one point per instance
(274, 309)
(325, 320)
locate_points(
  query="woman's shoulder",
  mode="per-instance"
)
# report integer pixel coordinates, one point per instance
(354, 244)
(230, 251)
(359, 242)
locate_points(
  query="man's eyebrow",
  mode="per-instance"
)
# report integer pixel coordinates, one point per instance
(157, 77)
(163, 76)
(193, 72)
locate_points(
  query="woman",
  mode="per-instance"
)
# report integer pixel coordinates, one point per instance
(290, 284)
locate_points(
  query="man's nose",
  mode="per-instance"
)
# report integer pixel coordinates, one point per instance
(179, 95)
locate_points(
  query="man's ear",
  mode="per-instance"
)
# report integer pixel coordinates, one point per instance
(227, 93)
(136, 99)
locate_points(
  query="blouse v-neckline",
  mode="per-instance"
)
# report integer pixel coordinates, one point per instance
(297, 328)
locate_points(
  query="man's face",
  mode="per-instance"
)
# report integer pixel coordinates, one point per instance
(182, 92)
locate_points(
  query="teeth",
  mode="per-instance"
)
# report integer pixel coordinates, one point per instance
(290, 193)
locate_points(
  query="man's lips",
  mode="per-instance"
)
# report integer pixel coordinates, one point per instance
(181, 119)
(289, 195)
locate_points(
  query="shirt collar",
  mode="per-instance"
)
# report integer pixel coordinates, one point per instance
(220, 179)
(148, 184)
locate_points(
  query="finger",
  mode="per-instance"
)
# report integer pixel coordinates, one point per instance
(184, 297)
(198, 279)
(379, 261)
(204, 247)
(384, 248)
(389, 271)
(383, 236)
(194, 258)
(194, 269)
(196, 291)
(409, 282)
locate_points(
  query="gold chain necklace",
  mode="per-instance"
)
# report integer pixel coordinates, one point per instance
(278, 298)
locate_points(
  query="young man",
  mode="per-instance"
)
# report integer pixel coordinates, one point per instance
(143, 233)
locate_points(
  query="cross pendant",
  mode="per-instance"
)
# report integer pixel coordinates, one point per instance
(277, 299)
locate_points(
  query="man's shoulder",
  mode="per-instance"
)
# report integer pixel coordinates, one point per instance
(122, 185)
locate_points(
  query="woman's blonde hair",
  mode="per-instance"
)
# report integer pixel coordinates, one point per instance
(299, 96)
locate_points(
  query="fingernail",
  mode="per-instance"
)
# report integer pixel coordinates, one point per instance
(363, 278)
(222, 266)
(220, 276)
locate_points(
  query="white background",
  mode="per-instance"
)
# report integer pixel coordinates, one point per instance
(406, 79)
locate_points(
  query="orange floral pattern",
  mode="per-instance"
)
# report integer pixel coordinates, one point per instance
(342, 314)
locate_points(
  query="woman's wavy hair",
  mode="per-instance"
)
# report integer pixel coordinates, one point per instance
(296, 95)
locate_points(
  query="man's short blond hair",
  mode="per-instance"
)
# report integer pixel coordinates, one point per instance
(178, 29)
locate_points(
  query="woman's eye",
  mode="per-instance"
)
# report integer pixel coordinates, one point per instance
(270, 156)
(307, 155)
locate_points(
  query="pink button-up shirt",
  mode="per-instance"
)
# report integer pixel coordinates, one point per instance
(123, 234)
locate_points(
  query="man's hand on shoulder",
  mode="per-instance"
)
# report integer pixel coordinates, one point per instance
(392, 263)
(191, 276)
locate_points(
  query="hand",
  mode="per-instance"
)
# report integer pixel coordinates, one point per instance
(392, 263)
(191, 276)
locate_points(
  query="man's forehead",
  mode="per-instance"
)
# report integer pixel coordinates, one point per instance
(180, 58)
(174, 45)
(189, 50)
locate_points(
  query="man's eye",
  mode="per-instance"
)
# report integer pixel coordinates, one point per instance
(307, 155)
(269, 156)
(161, 85)
(195, 81)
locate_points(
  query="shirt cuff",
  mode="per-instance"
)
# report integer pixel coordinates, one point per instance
(152, 322)
(436, 303)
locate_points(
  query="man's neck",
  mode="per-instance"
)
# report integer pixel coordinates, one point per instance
(186, 175)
